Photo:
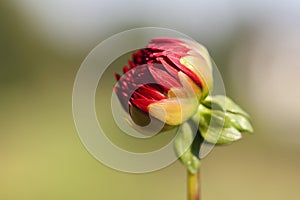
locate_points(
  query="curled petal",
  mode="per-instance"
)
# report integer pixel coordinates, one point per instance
(150, 92)
(168, 67)
(198, 65)
(143, 104)
(176, 60)
(173, 111)
(163, 78)
(189, 86)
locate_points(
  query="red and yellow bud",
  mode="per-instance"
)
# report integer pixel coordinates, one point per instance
(167, 80)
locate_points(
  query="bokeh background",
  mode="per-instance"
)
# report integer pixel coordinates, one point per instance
(255, 44)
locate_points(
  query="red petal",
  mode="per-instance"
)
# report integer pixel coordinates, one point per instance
(131, 64)
(176, 60)
(168, 44)
(117, 76)
(168, 67)
(150, 93)
(163, 78)
(142, 103)
(125, 69)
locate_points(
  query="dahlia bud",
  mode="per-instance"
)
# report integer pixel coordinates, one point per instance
(166, 80)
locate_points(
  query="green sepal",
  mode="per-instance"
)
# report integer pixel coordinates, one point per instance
(213, 117)
(184, 147)
(225, 104)
(221, 127)
(240, 122)
(224, 136)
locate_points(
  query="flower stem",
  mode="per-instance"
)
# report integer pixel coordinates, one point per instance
(194, 186)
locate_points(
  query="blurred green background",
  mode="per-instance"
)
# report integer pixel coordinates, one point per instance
(255, 44)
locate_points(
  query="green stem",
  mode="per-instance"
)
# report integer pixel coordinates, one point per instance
(194, 186)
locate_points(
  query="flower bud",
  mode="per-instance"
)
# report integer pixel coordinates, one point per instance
(167, 80)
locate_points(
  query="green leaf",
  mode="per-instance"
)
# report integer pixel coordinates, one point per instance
(183, 147)
(224, 103)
